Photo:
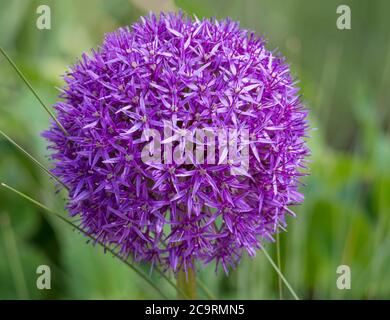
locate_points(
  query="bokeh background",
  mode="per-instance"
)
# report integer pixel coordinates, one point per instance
(345, 80)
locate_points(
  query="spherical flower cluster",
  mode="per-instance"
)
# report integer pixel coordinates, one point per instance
(187, 74)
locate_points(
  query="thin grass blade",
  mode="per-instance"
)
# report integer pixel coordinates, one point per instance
(40, 165)
(13, 255)
(131, 266)
(278, 261)
(162, 274)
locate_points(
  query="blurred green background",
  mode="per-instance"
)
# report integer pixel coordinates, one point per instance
(345, 79)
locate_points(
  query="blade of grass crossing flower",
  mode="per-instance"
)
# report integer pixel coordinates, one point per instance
(162, 274)
(135, 269)
(33, 159)
(13, 255)
(206, 290)
(76, 227)
(278, 261)
(21, 75)
(279, 273)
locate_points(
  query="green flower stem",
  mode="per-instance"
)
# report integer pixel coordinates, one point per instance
(22, 76)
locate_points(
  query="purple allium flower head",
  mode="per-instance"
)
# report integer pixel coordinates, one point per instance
(188, 74)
